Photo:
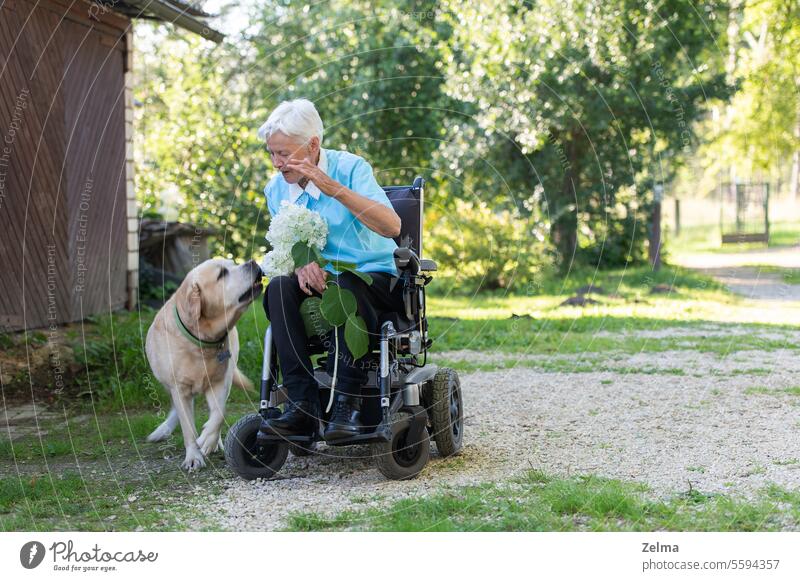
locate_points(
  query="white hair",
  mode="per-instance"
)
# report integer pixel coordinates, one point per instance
(297, 118)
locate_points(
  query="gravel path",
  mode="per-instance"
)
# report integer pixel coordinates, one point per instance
(737, 271)
(728, 431)
(750, 282)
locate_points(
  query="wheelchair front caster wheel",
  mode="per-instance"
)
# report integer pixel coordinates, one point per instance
(401, 459)
(442, 398)
(247, 457)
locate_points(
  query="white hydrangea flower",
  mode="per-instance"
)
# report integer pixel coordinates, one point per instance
(292, 224)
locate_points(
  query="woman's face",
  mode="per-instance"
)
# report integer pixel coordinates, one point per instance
(283, 148)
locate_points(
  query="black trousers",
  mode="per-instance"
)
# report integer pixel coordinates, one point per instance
(282, 301)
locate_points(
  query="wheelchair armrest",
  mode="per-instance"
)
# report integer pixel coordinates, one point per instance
(406, 258)
(426, 264)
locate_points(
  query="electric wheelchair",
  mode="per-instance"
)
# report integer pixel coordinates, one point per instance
(406, 400)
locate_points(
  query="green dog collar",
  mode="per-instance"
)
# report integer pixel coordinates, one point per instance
(188, 334)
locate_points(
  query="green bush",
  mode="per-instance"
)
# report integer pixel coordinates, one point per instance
(477, 248)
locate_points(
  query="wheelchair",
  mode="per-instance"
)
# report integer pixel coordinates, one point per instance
(406, 401)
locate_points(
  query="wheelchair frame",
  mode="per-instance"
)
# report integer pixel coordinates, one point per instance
(408, 396)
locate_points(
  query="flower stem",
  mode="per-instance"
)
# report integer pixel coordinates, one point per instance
(335, 368)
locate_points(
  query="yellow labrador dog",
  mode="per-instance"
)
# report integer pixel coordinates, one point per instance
(193, 347)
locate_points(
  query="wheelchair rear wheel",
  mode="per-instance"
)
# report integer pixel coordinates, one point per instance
(445, 407)
(242, 450)
(401, 459)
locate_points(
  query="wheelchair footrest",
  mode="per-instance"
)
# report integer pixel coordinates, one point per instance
(300, 439)
(379, 435)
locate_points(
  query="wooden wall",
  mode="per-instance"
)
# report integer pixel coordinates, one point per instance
(63, 206)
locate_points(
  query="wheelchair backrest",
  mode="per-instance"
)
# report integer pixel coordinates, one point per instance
(408, 203)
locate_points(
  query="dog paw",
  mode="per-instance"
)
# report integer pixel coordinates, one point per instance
(194, 461)
(208, 445)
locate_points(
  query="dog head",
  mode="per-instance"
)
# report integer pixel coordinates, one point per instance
(215, 293)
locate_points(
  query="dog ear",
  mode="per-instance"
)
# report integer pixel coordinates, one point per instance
(194, 303)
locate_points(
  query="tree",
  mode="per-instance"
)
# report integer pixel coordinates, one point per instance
(580, 107)
(196, 158)
(760, 127)
(370, 69)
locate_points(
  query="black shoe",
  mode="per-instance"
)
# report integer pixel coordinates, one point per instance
(299, 419)
(345, 418)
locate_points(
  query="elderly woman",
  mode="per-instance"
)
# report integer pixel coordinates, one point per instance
(341, 187)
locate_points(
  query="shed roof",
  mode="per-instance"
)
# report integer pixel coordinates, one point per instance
(180, 13)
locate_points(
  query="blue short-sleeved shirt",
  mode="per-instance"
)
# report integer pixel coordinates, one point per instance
(348, 239)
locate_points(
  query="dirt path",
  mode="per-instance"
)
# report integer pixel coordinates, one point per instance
(731, 427)
(740, 273)
(752, 283)
(20, 420)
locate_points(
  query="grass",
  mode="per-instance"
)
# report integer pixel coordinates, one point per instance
(93, 470)
(119, 491)
(538, 324)
(539, 502)
(69, 501)
(99, 474)
(762, 390)
(601, 339)
(707, 238)
(112, 373)
(627, 304)
(104, 436)
(591, 363)
(789, 275)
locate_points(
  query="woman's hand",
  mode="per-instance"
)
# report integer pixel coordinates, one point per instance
(311, 276)
(311, 171)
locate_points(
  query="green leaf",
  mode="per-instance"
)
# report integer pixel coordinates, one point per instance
(363, 276)
(356, 336)
(314, 322)
(337, 304)
(302, 254)
(342, 265)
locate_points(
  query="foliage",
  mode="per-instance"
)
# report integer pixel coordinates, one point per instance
(368, 66)
(757, 130)
(557, 117)
(337, 306)
(579, 107)
(477, 247)
(196, 159)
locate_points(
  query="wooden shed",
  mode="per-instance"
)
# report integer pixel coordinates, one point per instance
(68, 217)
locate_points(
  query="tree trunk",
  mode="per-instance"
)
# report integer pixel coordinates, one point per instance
(564, 231)
(793, 184)
(654, 249)
(565, 237)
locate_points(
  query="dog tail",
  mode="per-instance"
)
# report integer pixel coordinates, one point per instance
(240, 380)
